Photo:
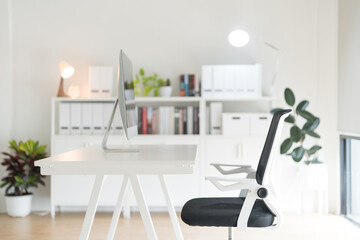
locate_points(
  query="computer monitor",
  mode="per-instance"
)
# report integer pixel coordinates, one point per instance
(126, 102)
(126, 96)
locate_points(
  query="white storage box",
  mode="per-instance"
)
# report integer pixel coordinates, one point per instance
(259, 123)
(236, 124)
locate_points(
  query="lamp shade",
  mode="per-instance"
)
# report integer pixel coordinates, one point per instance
(66, 70)
(238, 38)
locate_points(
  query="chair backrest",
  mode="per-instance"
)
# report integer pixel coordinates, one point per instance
(271, 146)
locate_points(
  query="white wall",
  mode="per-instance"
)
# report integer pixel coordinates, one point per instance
(349, 60)
(168, 37)
(5, 86)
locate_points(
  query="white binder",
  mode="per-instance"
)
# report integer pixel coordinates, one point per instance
(86, 119)
(207, 81)
(108, 108)
(229, 81)
(106, 79)
(218, 80)
(117, 127)
(215, 118)
(97, 117)
(75, 118)
(64, 118)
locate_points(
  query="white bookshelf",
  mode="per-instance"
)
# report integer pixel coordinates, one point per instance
(74, 191)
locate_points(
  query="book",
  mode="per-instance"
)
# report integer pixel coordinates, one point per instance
(181, 121)
(190, 119)
(176, 121)
(185, 120)
(144, 121)
(196, 120)
(149, 120)
(139, 120)
(171, 120)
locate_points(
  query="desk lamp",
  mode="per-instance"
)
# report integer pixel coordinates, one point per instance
(66, 71)
(240, 38)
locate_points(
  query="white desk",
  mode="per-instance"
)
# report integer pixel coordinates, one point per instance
(152, 159)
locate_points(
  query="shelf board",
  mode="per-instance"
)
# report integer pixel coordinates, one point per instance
(242, 99)
(137, 99)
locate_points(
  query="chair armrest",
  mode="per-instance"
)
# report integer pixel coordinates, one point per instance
(236, 183)
(236, 168)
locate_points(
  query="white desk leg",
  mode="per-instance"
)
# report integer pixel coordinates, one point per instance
(144, 211)
(117, 211)
(171, 209)
(91, 210)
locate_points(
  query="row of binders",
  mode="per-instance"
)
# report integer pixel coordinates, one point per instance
(229, 81)
(87, 118)
(168, 120)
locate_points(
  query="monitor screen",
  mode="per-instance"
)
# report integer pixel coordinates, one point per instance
(126, 96)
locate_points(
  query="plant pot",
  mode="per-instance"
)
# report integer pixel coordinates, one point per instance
(165, 91)
(129, 94)
(18, 206)
(313, 187)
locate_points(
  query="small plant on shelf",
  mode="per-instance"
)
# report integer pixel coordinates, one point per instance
(147, 85)
(294, 144)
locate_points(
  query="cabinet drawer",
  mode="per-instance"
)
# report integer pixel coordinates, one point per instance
(235, 124)
(259, 124)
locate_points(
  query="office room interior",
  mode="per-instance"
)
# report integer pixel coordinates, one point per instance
(232, 119)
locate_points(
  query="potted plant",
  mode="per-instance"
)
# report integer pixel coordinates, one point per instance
(312, 175)
(147, 86)
(165, 88)
(129, 90)
(21, 175)
(294, 145)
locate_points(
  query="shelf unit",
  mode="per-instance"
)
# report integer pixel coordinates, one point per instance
(75, 190)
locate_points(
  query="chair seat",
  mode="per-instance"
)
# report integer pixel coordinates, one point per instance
(224, 212)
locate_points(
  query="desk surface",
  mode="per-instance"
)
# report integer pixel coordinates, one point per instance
(152, 159)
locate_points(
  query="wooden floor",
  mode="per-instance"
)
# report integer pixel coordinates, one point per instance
(67, 226)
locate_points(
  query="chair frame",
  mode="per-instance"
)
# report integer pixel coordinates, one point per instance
(249, 186)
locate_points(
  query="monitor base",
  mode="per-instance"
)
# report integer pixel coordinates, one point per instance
(123, 148)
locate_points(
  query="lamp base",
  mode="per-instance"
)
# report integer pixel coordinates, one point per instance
(61, 92)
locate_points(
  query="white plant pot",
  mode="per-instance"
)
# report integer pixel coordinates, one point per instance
(129, 94)
(18, 206)
(166, 91)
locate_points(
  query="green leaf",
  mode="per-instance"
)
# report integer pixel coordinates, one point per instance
(295, 133)
(302, 105)
(289, 97)
(311, 133)
(290, 119)
(142, 73)
(18, 179)
(3, 184)
(274, 110)
(286, 145)
(305, 114)
(313, 150)
(298, 153)
(311, 125)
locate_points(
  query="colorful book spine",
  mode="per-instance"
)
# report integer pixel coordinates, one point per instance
(182, 86)
(190, 119)
(144, 121)
(185, 120)
(149, 120)
(181, 121)
(139, 120)
(196, 120)
(176, 121)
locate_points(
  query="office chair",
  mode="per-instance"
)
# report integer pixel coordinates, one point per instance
(256, 206)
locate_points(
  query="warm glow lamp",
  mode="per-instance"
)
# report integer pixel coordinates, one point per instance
(66, 71)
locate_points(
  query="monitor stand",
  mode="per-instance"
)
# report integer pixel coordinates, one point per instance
(127, 147)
